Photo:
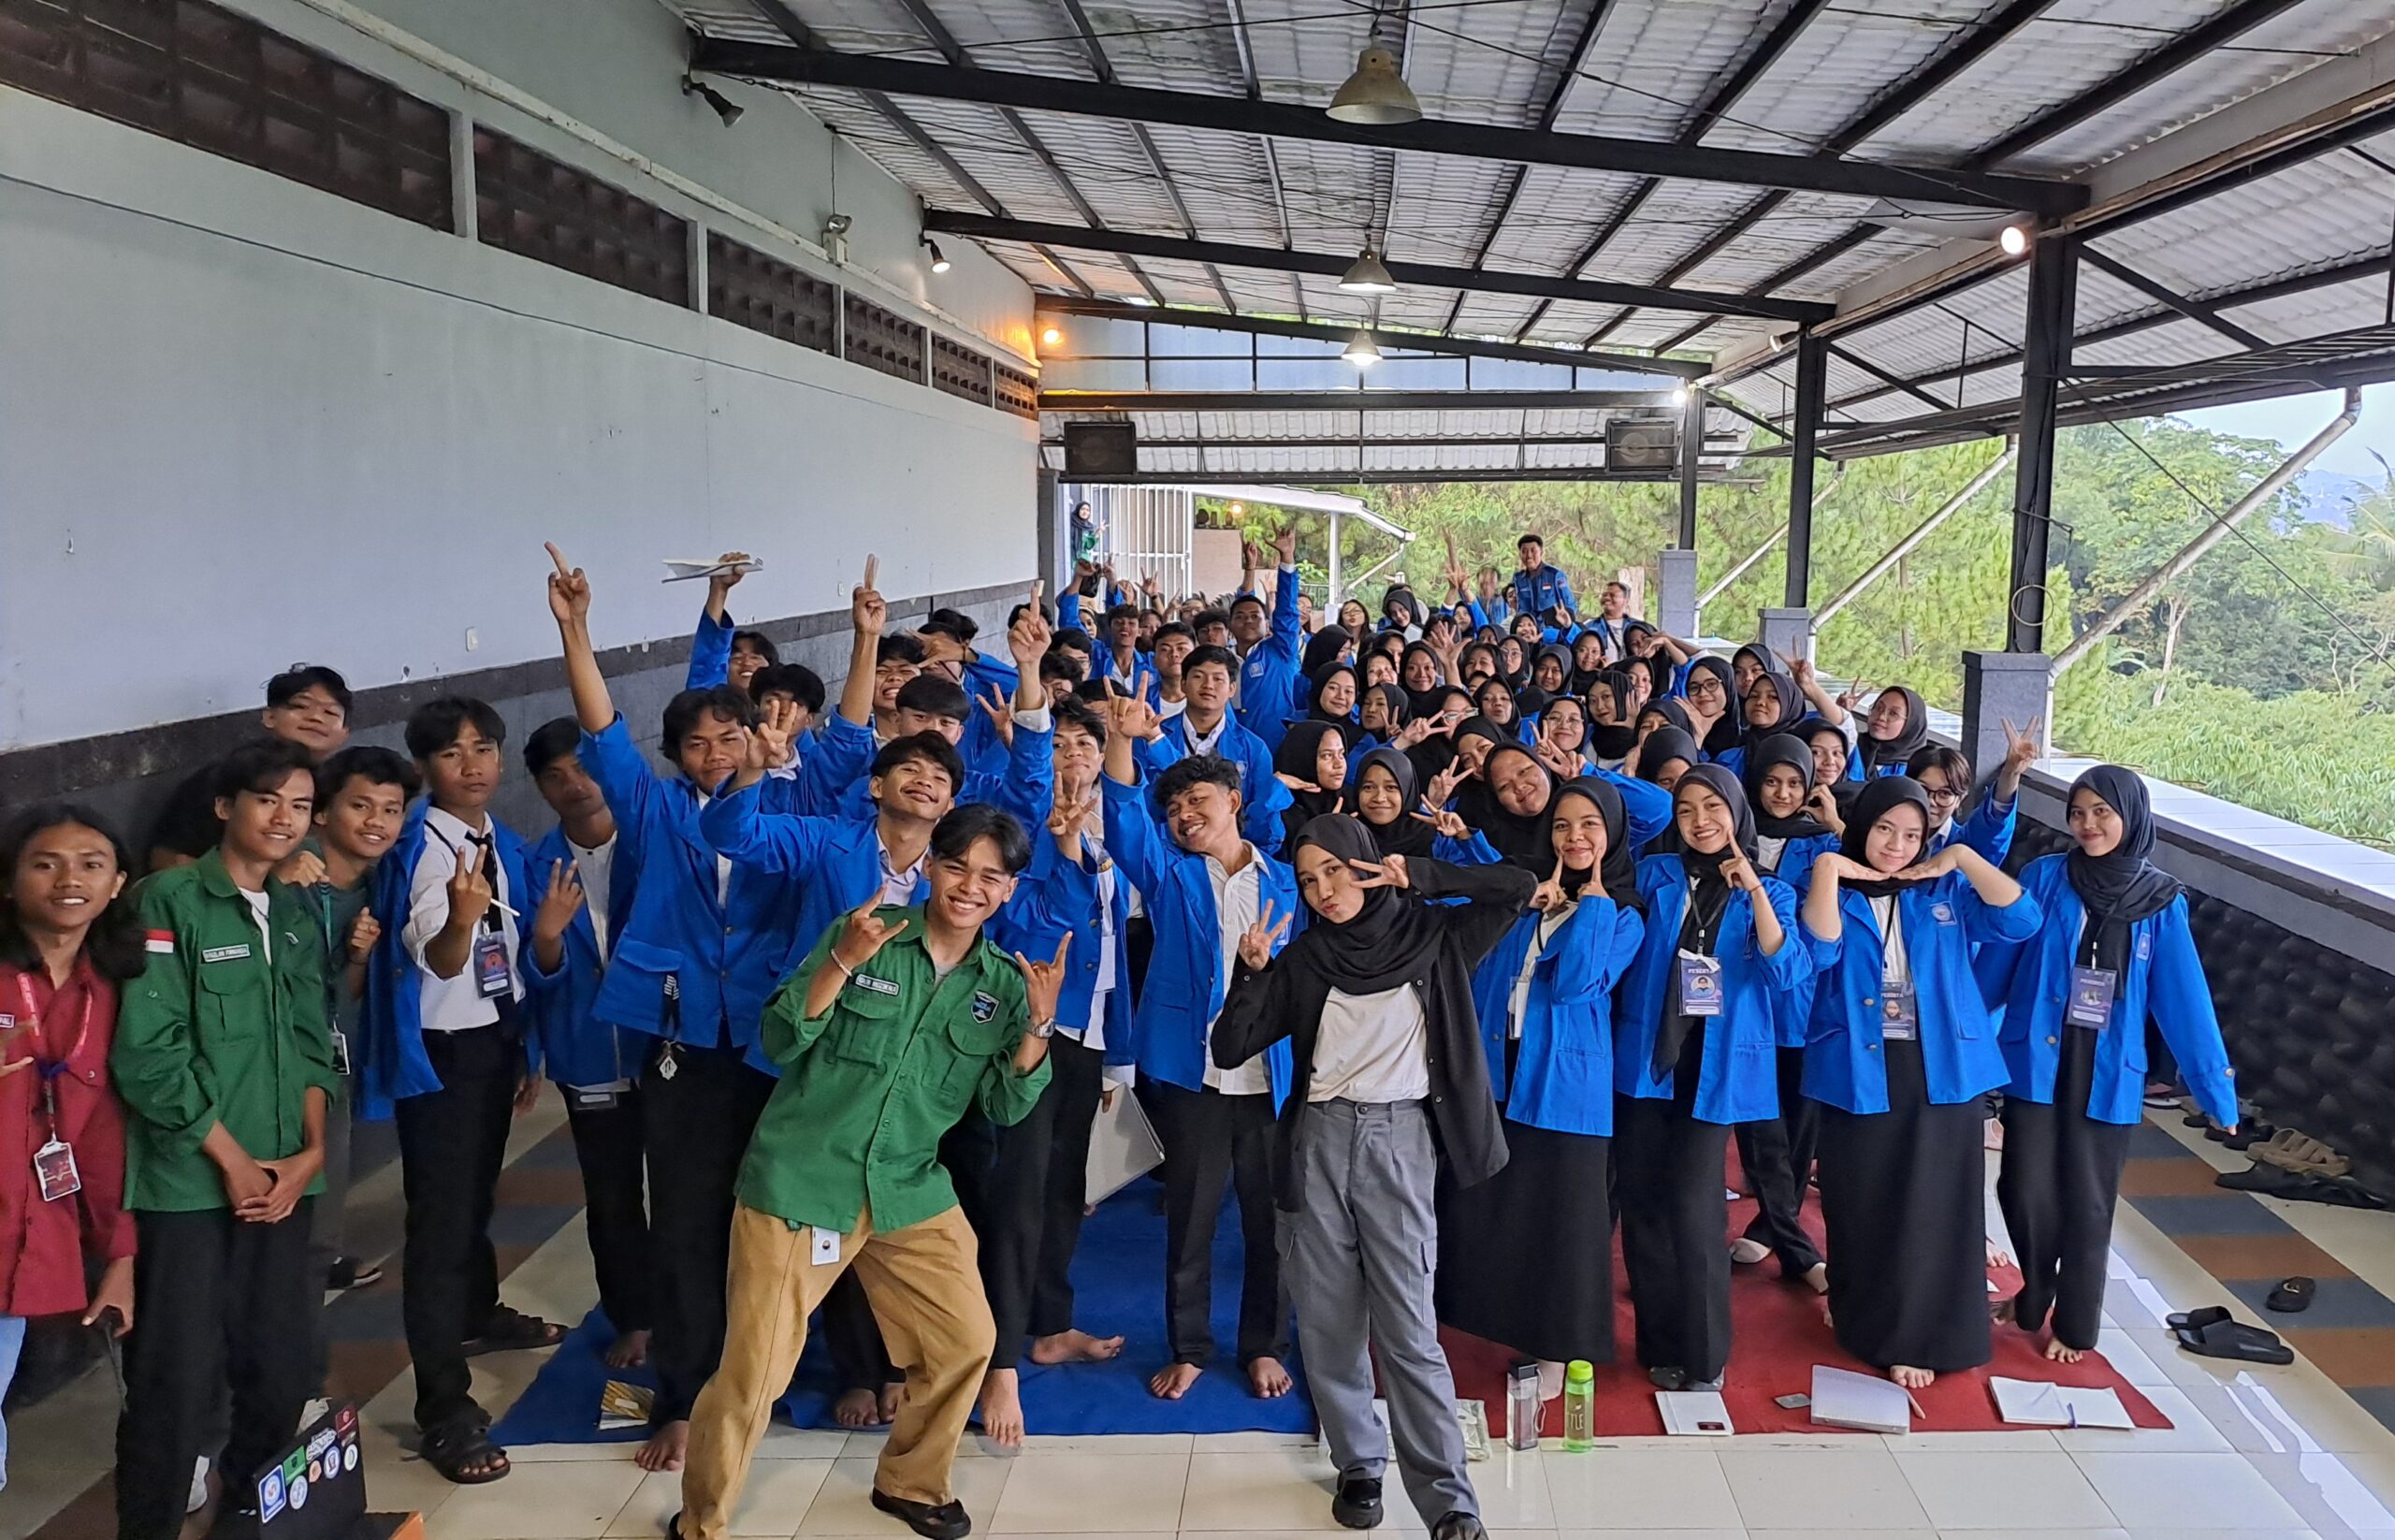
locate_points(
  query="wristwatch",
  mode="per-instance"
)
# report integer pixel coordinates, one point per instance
(1044, 1029)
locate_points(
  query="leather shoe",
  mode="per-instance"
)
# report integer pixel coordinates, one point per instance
(1458, 1526)
(1358, 1503)
(932, 1520)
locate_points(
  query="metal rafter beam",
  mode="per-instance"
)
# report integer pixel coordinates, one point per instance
(2194, 310)
(777, 64)
(1727, 443)
(1268, 259)
(1462, 347)
(1347, 400)
(1868, 367)
(1339, 476)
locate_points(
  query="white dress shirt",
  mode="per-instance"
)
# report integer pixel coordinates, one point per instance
(454, 1005)
(1237, 906)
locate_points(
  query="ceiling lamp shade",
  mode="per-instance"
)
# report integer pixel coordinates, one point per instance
(1376, 94)
(1367, 274)
(1360, 351)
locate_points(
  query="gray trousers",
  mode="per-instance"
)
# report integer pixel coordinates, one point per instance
(1358, 1260)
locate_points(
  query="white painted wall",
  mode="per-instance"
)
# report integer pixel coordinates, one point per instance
(244, 423)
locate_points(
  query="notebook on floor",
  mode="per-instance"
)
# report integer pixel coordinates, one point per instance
(2042, 1403)
(1865, 1403)
(1698, 1414)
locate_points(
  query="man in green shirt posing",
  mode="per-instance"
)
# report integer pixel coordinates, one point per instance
(224, 1062)
(898, 1023)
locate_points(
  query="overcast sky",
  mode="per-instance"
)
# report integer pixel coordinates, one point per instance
(2292, 419)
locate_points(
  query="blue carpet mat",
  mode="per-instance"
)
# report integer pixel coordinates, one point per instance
(1118, 1283)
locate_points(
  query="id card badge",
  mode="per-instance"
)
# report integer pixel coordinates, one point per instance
(1700, 985)
(493, 978)
(340, 1051)
(1899, 1013)
(2089, 1004)
(54, 1168)
(827, 1246)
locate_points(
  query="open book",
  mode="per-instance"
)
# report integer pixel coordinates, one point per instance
(2042, 1403)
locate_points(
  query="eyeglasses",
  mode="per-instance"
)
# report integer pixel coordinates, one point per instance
(1942, 794)
(1705, 686)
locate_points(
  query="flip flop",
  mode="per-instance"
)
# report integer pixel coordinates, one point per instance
(2195, 1319)
(2235, 1340)
(2292, 1295)
(2293, 1150)
(510, 1329)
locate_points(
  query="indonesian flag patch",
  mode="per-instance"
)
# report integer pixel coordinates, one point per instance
(162, 940)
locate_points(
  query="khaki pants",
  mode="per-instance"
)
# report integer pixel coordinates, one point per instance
(925, 1286)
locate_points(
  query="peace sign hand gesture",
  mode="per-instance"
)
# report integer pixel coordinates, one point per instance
(559, 903)
(1441, 820)
(862, 934)
(470, 891)
(1547, 896)
(2021, 748)
(1553, 755)
(1387, 872)
(1066, 820)
(769, 740)
(1001, 714)
(867, 611)
(1256, 942)
(1043, 981)
(1441, 789)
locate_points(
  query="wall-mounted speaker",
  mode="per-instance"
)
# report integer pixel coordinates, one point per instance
(1093, 450)
(1642, 443)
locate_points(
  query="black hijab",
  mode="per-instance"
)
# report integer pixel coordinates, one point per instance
(1512, 699)
(1879, 796)
(1323, 649)
(1562, 656)
(1410, 610)
(1482, 727)
(1584, 677)
(1399, 710)
(1673, 713)
(1619, 866)
(1579, 748)
(1610, 742)
(1317, 712)
(2125, 886)
(1708, 900)
(1433, 754)
(1420, 698)
(1408, 835)
(1296, 758)
(1727, 728)
(1524, 839)
(1385, 943)
(1877, 752)
(1781, 749)
(1792, 710)
(1663, 746)
(1659, 673)
(1724, 785)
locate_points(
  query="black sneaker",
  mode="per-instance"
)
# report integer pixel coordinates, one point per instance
(932, 1520)
(1358, 1506)
(1457, 1526)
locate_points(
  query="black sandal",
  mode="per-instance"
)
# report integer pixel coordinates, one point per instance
(509, 1330)
(457, 1453)
(2292, 1295)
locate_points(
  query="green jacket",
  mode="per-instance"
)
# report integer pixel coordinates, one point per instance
(868, 1088)
(214, 1032)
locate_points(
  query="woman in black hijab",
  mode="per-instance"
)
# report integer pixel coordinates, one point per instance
(1904, 1055)
(1691, 1060)
(1477, 661)
(1324, 647)
(1389, 795)
(1898, 724)
(1312, 762)
(2113, 950)
(1421, 673)
(1665, 755)
(1495, 701)
(1331, 695)
(1588, 660)
(1711, 698)
(1551, 670)
(1389, 1097)
(1611, 733)
(1440, 714)
(1382, 714)
(1773, 705)
(1545, 996)
(1507, 806)
(1513, 663)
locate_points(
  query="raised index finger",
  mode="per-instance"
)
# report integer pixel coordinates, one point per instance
(872, 569)
(558, 556)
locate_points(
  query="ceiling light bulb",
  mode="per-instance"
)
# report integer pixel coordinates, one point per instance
(1360, 351)
(1679, 396)
(1050, 337)
(1367, 274)
(939, 258)
(1376, 93)
(2013, 239)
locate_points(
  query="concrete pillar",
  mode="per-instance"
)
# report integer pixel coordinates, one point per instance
(1999, 688)
(1675, 593)
(1789, 633)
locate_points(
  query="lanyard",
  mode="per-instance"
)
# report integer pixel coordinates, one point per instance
(48, 1072)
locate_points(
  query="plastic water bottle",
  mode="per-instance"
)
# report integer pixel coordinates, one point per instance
(1522, 1407)
(1579, 1406)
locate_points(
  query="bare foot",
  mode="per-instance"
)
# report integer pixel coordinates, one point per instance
(1002, 1409)
(665, 1448)
(1997, 1256)
(857, 1409)
(1173, 1380)
(1911, 1378)
(1817, 1277)
(629, 1350)
(1268, 1379)
(892, 1394)
(1074, 1346)
(1748, 1252)
(2062, 1352)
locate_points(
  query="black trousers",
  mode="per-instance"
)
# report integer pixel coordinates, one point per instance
(1077, 1078)
(452, 1143)
(226, 1306)
(696, 1123)
(2057, 1187)
(609, 1145)
(1668, 1168)
(1001, 1176)
(1210, 1140)
(1778, 1159)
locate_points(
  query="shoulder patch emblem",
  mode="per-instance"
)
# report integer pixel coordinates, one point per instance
(984, 1006)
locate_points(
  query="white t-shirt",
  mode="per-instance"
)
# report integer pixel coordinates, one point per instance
(595, 865)
(1371, 1047)
(1236, 906)
(257, 911)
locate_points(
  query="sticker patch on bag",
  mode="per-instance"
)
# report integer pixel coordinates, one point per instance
(223, 954)
(984, 1006)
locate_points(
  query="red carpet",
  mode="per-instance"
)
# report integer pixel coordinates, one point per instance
(1778, 1335)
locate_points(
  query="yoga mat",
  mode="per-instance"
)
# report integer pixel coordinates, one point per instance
(1118, 1283)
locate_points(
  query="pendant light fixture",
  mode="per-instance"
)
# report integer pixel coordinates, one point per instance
(1361, 351)
(1367, 274)
(1376, 94)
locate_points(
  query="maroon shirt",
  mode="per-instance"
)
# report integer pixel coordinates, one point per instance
(43, 1244)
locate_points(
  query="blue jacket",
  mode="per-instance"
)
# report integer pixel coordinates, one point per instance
(836, 780)
(710, 653)
(1057, 896)
(1943, 922)
(1267, 679)
(1738, 1079)
(684, 966)
(1261, 793)
(1792, 1010)
(1563, 1073)
(391, 1063)
(2026, 982)
(1537, 592)
(1987, 831)
(576, 1046)
(1182, 993)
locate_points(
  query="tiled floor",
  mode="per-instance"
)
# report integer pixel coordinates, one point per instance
(2255, 1453)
